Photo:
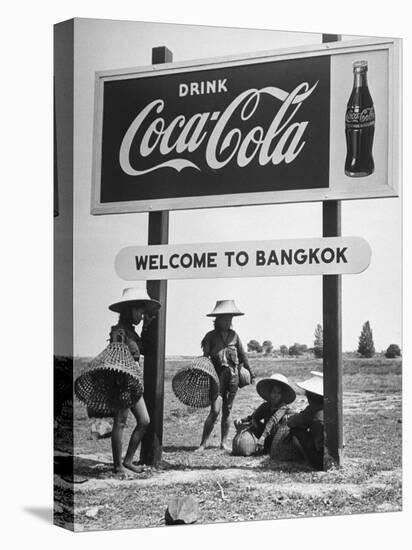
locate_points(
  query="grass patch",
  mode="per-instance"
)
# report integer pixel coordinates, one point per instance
(254, 487)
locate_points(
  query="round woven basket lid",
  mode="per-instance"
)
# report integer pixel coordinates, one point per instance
(115, 356)
(244, 443)
(197, 384)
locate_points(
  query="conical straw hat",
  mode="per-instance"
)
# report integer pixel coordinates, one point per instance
(314, 384)
(137, 296)
(264, 387)
(225, 307)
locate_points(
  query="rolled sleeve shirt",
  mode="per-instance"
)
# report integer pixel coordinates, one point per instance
(225, 352)
(271, 417)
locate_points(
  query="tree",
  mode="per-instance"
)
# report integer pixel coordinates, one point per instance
(318, 341)
(253, 345)
(393, 351)
(284, 350)
(366, 347)
(297, 349)
(267, 347)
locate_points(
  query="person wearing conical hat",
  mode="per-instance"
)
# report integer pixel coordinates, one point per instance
(273, 413)
(114, 384)
(306, 427)
(224, 348)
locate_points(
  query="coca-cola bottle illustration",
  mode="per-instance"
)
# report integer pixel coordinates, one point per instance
(360, 125)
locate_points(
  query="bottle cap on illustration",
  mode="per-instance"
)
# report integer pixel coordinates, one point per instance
(360, 66)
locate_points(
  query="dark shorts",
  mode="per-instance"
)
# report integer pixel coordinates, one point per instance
(229, 384)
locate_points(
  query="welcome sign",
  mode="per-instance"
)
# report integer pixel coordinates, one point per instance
(328, 256)
(242, 131)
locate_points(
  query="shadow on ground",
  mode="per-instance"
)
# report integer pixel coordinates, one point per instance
(43, 513)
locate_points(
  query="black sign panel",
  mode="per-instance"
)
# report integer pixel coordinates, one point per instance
(251, 128)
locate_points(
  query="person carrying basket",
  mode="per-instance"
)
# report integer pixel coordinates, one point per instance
(224, 348)
(113, 384)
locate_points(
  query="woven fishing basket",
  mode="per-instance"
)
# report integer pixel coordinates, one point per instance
(282, 447)
(244, 377)
(244, 443)
(196, 385)
(114, 380)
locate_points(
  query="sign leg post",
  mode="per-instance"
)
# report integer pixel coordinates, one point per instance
(332, 346)
(154, 364)
(332, 337)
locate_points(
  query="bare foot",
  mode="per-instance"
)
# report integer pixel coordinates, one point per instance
(119, 470)
(200, 449)
(225, 446)
(133, 468)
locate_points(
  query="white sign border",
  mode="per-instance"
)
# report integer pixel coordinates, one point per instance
(391, 45)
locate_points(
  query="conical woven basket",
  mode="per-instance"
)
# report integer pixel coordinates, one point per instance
(282, 447)
(196, 385)
(114, 380)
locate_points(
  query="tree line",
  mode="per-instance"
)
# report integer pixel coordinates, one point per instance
(366, 347)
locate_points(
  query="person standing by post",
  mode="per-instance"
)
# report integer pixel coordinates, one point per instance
(113, 385)
(134, 307)
(224, 348)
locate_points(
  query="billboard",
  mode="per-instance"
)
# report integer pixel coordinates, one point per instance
(309, 124)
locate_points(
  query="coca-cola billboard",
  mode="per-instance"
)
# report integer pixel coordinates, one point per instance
(223, 132)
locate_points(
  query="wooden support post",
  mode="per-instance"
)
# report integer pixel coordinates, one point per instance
(332, 337)
(332, 345)
(154, 365)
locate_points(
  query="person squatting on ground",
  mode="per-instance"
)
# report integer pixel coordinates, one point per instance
(271, 415)
(306, 427)
(224, 348)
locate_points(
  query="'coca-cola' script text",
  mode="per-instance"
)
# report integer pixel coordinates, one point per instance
(282, 141)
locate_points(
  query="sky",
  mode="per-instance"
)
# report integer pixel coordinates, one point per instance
(282, 309)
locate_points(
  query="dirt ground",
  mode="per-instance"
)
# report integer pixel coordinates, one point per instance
(232, 488)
